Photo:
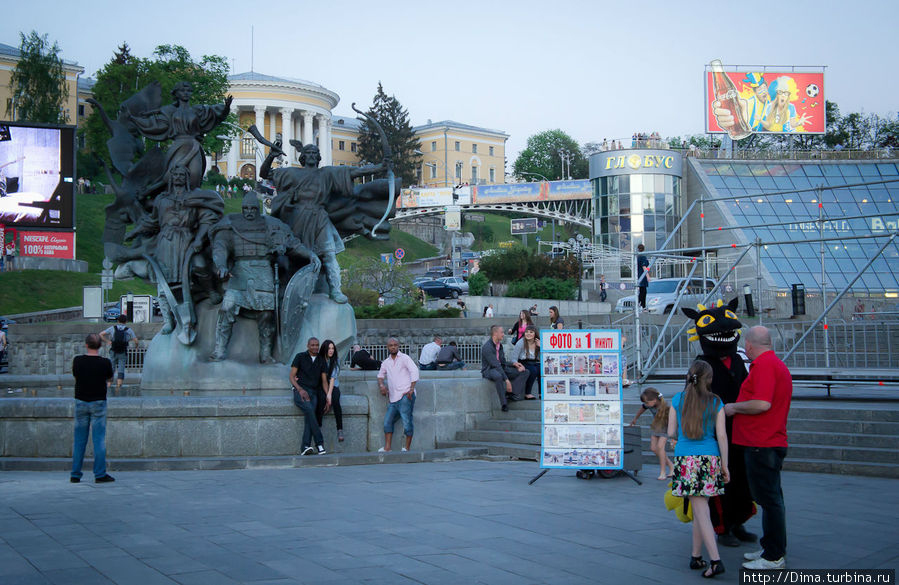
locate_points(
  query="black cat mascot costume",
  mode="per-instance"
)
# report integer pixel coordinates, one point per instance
(718, 331)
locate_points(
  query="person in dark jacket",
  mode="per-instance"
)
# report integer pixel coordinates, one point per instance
(509, 380)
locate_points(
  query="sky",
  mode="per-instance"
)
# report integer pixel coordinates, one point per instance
(594, 69)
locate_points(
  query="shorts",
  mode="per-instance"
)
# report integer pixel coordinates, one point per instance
(697, 475)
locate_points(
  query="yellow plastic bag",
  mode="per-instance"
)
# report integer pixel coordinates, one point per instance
(681, 506)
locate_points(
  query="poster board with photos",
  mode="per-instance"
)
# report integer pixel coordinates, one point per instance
(582, 399)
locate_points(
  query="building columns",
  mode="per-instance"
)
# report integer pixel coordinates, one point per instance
(286, 131)
(307, 127)
(260, 124)
(324, 139)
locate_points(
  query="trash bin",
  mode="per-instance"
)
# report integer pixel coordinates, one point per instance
(798, 299)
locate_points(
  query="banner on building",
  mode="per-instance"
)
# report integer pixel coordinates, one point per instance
(527, 225)
(434, 197)
(47, 244)
(772, 101)
(582, 399)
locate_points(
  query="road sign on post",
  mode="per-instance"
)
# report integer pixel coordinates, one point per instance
(399, 253)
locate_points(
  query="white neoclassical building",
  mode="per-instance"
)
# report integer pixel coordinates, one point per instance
(298, 109)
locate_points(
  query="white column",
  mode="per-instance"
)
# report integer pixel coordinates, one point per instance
(307, 127)
(286, 130)
(233, 152)
(324, 139)
(260, 124)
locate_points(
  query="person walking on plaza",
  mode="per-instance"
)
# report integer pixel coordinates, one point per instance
(509, 380)
(118, 337)
(527, 353)
(642, 276)
(449, 358)
(760, 426)
(427, 359)
(308, 377)
(93, 374)
(330, 398)
(401, 375)
(696, 427)
(603, 288)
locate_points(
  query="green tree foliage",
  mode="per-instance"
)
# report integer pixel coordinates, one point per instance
(394, 118)
(373, 274)
(125, 74)
(403, 311)
(477, 284)
(542, 288)
(541, 157)
(519, 263)
(38, 83)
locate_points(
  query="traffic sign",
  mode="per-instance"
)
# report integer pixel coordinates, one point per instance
(399, 253)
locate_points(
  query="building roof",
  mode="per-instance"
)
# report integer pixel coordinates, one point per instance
(11, 51)
(254, 76)
(458, 125)
(345, 122)
(86, 84)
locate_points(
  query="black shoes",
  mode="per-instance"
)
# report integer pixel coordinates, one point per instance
(715, 568)
(104, 479)
(74, 480)
(742, 534)
(505, 408)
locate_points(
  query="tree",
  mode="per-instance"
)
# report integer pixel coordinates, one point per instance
(541, 157)
(126, 74)
(381, 277)
(38, 83)
(389, 112)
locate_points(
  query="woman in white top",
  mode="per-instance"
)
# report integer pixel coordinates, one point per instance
(526, 354)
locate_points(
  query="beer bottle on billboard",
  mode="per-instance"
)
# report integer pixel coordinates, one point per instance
(728, 99)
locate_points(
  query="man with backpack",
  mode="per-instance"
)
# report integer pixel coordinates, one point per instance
(118, 336)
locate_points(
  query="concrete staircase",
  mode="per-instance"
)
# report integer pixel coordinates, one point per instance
(825, 437)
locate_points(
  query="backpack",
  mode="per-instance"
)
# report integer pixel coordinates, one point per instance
(119, 340)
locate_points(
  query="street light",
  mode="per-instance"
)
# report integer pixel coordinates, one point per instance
(566, 157)
(534, 175)
(579, 245)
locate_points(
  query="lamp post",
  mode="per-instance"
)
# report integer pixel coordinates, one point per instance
(566, 157)
(579, 245)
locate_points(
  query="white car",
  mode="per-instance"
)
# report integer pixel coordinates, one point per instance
(456, 281)
(662, 292)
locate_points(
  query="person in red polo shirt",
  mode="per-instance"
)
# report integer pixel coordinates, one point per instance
(760, 426)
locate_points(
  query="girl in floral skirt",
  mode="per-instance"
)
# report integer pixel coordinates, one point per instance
(696, 427)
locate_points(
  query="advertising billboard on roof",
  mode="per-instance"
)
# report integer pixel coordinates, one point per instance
(744, 101)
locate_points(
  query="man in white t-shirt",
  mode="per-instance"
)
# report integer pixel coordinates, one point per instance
(427, 360)
(489, 312)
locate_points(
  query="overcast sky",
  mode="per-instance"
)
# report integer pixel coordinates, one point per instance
(594, 69)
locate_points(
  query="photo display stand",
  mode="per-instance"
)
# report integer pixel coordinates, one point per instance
(582, 425)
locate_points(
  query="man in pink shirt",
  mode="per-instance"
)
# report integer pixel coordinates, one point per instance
(402, 374)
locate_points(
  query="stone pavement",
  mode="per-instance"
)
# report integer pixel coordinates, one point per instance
(460, 522)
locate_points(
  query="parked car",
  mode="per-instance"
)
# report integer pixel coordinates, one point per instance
(457, 281)
(439, 272)
(661, 294)
(420, 279)
(441, 290)
(112, 314)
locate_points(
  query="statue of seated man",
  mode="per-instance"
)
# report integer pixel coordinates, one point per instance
(244, 250)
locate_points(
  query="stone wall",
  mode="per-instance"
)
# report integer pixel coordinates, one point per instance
(231, 426)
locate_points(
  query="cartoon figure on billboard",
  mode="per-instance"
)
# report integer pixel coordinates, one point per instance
(780, 114)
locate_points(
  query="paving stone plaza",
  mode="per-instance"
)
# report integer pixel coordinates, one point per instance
(453, 523)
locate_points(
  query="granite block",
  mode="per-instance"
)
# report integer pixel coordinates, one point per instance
(200, 438)
(239, 436)
(161, 438)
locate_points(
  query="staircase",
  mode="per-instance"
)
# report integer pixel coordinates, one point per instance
(825, 437)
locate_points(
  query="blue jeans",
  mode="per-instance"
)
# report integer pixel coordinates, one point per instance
(451, 366)
(763, 465)
(118, 363)
(311, 430)
(533, 370)
(87, 415)
(402, 408)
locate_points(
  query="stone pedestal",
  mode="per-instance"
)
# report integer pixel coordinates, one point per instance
(170, 365)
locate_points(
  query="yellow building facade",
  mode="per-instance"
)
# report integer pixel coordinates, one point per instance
(454, 153)
(9, 57)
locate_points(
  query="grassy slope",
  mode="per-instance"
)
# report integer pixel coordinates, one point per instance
(500, 226)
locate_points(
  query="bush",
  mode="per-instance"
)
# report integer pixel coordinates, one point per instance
(518, 263)
(477, 284)
(359, 296)
(402, 311)
(542, 288)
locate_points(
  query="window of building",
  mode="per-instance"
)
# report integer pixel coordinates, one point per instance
(418, 176)
(458, 172)
(458, 146)
(353, 146)
(433, 168)
(247, 147)
(492, 175)
(491, 151)
(80, 110)
(433, 145)
(474, 148)
(474, 174)
(341, 145)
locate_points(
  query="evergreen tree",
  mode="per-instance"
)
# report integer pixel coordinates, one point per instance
(389, 112)
(38, 83)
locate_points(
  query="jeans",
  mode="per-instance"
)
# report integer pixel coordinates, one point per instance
(517, 378)
(402, 408)
(118, 363)
(763, 465)
(335, 407)
(641, 296)
(431, 366)
(88, 415)
(533, 369)
(311, 430)
(451, 366)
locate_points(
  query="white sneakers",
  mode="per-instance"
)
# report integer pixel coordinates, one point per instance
(308, 451)
(754, 560)
(321, 450)
(404, 449)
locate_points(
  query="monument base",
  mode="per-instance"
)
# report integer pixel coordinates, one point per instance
(171, 365)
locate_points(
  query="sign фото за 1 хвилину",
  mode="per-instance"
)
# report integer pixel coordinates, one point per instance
(582, 399)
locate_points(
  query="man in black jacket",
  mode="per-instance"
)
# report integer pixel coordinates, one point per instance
(308, 377)
(508, 379)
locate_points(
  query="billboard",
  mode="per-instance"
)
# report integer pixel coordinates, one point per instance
(37, 167)
(744, 102)
(433, 197)
(527, 225)
(47, 244)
